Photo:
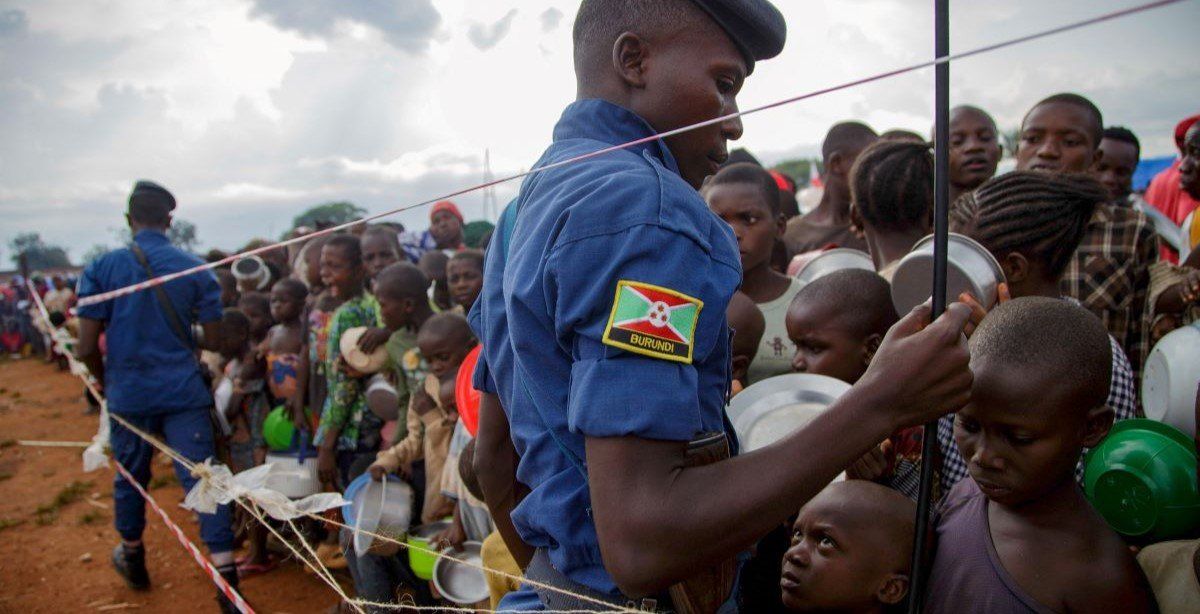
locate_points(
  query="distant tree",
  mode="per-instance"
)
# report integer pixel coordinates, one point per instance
(329, 214)
(95, 252)
(1011, 139)
(799, 169)
(38, 255)
(182, 234)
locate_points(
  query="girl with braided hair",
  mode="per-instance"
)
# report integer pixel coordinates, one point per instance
(891, 187)
(1032, 222)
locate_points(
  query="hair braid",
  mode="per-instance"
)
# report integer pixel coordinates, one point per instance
(1042, 215)
(891, 185)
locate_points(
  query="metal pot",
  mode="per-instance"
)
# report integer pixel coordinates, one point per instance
(459, 583)
(828, 261)
(970, 267)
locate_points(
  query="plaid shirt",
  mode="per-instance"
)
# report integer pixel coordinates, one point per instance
(1121, 399)
(1110, 276)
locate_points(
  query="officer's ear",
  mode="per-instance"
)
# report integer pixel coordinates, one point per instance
(629, 59)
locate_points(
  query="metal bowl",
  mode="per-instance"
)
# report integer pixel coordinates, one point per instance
(778, 406)
(970, 267)
(828, 261)
(378, 507)
(459, 583)
(1170, 378)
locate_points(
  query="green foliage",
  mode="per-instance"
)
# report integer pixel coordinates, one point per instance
(48, 513)
(8, 523)
(38, 254)
(799, 169)
(333, 213)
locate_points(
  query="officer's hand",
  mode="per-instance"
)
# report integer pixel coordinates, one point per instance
(920, 371)
(373, 338)
(874, 464)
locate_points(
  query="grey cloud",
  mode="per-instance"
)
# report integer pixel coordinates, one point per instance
(13, 21)
(407, 25)
(551, 17)
(487, 36)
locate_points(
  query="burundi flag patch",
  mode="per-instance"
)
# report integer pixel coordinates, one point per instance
(653, 321)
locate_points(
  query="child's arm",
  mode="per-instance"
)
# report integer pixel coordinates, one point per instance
(411, 448)
(454, 535)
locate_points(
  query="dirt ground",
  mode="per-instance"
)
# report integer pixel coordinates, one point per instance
(56, 521)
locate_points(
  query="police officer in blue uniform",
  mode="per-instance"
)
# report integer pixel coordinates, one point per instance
(151, 376)
(602, 321)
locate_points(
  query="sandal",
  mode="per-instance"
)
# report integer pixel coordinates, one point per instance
(247, 569)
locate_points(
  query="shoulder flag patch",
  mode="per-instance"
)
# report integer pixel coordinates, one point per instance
(653, 321)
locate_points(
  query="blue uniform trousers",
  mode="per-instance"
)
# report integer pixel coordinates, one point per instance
(190, 433)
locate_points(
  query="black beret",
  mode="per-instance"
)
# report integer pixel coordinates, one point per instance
(150, 195)
(756, 27)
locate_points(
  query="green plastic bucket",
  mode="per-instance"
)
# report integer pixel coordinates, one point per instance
(420, 557)
(1142, 480)
(278, 429)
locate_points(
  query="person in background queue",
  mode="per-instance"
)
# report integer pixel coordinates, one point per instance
(605, 342)
(829, 224)
(1110, 271)
(974, 149)
(1114, 170)
(151, 376)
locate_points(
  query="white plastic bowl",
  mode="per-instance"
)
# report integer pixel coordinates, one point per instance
(1170, 378)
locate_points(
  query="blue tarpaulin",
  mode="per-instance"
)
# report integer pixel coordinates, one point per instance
(1147, 168)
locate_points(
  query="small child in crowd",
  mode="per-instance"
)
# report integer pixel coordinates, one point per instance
(851, 550)
(348, 434)
(229, 289)
(257, 308)
(444, 340)
(380, 248)
(284, 346)
(403, 310)
(837, 322)
(746, 196)
(464, 277)
(433, 264)
(748, 324)
(1019, 536)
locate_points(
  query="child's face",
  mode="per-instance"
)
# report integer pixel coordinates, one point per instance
(1056, 138)
(229, 290)
(1022, 432)
(377, 253)
(233, 341)
(743, 207)
(974, 149)
(837, 560)
(466, 281)
(338, 272)
(395, 312)
(285, 307)
(446, 229)
(443, 353)
(823, 345)
(1114, 169)
(260, 320)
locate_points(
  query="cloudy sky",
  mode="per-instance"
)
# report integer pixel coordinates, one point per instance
(252, 110)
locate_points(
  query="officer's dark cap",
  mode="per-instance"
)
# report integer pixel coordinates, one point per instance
(148, 196)
(756, 27)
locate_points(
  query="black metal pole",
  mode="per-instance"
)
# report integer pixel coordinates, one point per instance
(941, 226)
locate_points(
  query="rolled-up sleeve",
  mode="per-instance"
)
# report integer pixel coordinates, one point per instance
(630, 309)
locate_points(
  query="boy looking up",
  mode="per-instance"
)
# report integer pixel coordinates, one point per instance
(604, 335)
(1110, 273)
(745, 196)
(829, 222)
(1019, 536)
(974, 149)
(851, 550)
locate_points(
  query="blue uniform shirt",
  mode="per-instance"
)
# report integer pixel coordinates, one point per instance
(606, 318)
(147, 368)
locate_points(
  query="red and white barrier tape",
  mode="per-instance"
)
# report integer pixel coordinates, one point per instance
(201, 560)
(119, 292)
